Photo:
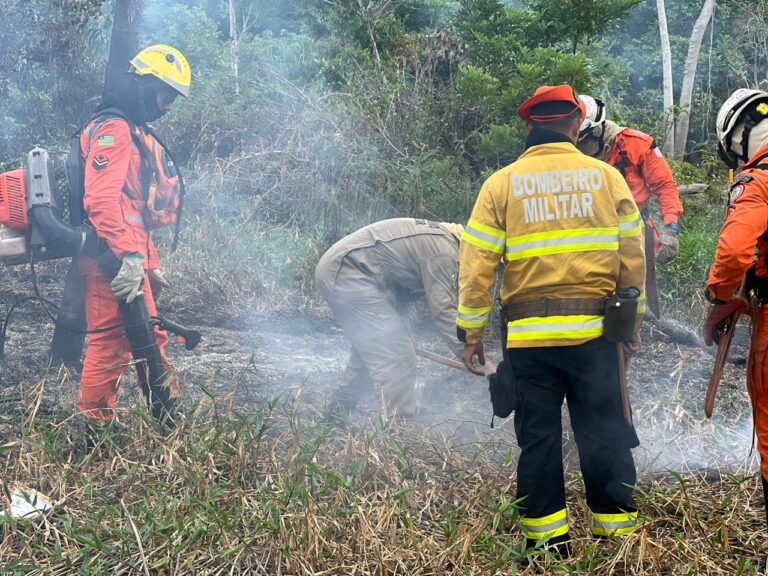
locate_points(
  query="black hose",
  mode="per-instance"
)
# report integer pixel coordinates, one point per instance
(56, 233)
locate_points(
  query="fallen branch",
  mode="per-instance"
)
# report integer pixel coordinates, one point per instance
(691, 189)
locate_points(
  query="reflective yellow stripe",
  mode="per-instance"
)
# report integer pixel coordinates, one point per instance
(484, 236)
(554, 328)
(473, 317)
(641, 305)
(630, 225)
(562, 241)
(545, 527)
(614, 524)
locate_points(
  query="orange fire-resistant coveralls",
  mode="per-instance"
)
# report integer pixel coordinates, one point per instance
(114, 202)
(647, 173)
(746, 227)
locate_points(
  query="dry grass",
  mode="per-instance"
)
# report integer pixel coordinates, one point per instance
(278, 492)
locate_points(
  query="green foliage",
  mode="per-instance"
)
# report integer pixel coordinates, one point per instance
(577, 21)
(346, 112)
(46, 73)
(494, 35)
(681, 282)
(479, 89)
(501, 144)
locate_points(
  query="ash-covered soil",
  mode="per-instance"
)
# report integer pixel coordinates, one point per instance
(298, 359)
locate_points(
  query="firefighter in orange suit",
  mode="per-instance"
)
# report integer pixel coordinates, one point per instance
(126, 170)
(638, 158)
(742, 131)
(570, 235)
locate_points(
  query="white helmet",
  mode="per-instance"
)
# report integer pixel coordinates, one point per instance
(591, 138)
(595, 113)
(743, 107)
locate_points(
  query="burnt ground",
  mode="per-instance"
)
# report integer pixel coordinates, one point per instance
(298, 360)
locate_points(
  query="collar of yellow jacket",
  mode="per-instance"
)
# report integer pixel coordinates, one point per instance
(550, 148)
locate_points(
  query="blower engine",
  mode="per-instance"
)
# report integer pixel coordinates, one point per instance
(34, 203)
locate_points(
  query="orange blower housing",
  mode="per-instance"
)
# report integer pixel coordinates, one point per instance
(14, 223)
(34, 212)
(13, 200)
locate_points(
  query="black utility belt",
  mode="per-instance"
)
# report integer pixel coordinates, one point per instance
(619, 311)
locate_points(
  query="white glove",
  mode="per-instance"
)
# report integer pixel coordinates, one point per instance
(669, 244)
(127, 283)
(157, 282)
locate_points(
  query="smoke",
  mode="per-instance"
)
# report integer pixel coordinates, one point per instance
(701, 446)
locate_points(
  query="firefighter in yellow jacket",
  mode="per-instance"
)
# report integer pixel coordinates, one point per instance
(570, 235)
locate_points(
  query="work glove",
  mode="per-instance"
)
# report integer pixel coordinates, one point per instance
(157, 282)
(669, 243)
(127, 283)
(717, 319)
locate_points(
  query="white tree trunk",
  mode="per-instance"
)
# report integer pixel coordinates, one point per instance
(668, 143)
(234, 52)
(689, 75)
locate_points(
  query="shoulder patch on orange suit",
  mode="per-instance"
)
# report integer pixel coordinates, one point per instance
(100, 162)
(735, 193)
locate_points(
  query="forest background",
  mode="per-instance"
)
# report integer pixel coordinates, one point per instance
(310, 119)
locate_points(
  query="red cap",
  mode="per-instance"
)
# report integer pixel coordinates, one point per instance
(563, 93)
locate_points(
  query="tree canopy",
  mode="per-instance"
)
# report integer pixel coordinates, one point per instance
(404, 101)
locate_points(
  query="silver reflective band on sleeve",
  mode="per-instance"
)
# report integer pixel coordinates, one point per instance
(630, 225)
(641, 305)
(473, 317)
(485, 237)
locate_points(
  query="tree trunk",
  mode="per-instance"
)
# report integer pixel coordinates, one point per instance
(69, 335)
(689, 75)
(124, 44)
(234, 52)
(668, 143)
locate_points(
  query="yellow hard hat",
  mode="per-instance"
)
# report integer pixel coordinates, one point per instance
(167, 64)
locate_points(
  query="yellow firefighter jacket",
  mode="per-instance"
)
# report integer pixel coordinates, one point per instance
(566, 226)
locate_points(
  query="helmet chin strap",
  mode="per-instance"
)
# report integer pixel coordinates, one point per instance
(748, 136)
(756, 139)
(593, 145)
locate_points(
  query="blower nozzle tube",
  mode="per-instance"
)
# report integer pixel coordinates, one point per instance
(191, 337)
(154, 376)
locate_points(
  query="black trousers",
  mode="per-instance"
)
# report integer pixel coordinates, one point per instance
(588, 376)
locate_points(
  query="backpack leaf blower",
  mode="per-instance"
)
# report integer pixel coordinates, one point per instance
(33, 204)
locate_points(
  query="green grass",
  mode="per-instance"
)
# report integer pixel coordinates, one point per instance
(277, 491)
